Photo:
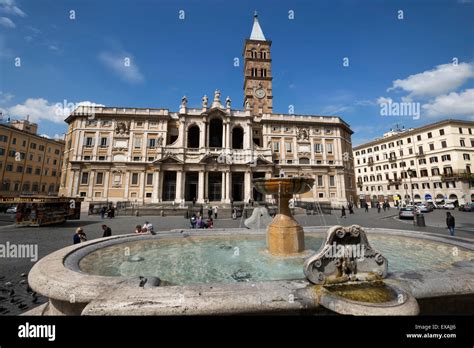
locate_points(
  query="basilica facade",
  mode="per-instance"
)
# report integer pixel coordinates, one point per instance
(208, 153)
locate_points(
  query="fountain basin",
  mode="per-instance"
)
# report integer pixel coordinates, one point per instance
(283, 186)
(74, 291)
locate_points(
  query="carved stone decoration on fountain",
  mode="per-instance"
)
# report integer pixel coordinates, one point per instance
(346, 255)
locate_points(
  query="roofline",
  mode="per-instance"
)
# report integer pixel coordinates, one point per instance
(413, 131)
(59, 142)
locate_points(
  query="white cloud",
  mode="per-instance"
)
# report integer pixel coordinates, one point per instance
(10, 7)
(123, 65)
(45, 136)
(444, 78)
(452, 104)
(40, 109)
(336, 109)
(5, 97)
(7, 22)
(383, 100)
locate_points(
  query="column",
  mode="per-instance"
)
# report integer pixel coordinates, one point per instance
(126, 183)
(106, 185)
(227, 137)
(141, 194)
(91, 184)
(79, 145)
(228, 186)
(182, 132)
(75, 182)
(247, 186)
(206, 187)
(201, 186)
(156, 185)
(202, 135)
(223, 187)
(179, 186)
(323, 142)
(160, 186)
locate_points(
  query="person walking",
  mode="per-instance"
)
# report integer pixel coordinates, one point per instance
(366, 207)
(193, 221)
(351, 208)
(215, 212)
(378, 207)
(343, 212)
(209, 211)
(102, 212)
(107, 231)
(450, 222)
(79, 236)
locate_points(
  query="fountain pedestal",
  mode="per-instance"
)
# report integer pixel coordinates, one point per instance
(285, 235)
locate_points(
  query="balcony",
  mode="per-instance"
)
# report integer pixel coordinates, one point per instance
(392, 158)
(457, 176)
(395, 182)
(371, 162)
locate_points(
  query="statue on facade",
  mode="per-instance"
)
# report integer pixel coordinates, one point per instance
(228, 102)
(303, 134)
(217, 96)
(205, 100)
(247, 105)
(184, 102)
(122, 128)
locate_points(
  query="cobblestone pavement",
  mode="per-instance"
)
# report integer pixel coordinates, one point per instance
(16, 297)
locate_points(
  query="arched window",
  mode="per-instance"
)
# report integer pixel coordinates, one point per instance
(237, 138)
(304, 160)
(253, 54)
(264, 55)
(264, 72)
(215, 133)
(193, 137)
(6, 185)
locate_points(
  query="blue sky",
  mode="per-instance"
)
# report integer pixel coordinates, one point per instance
(390, 59)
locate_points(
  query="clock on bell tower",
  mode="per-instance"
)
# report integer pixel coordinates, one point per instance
(257, 71)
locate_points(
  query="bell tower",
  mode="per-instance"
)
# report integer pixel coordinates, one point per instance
(257, 71)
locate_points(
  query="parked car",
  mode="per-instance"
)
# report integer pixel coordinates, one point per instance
(11, 210)
(432, 204)
(425, 208)
(406, 213)
(467, 207)
(449, 206)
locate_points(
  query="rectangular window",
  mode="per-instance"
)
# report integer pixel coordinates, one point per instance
(332, 181)
(466, 156)
(9, 167)
(99, 178)
(288, 147)
(101, 158)
(53, 173)
(430, 135)
(85, 178)
(29, 170)
(329, 147)
(441, 132)
(149, 179)
(409, 140)
(19, 169)
(443, 144)
(460, 130)
(103, 142)
(138, 143)
(136, 158)
(3, 138)
(41, 148)
(151, 143)
(89, 141)
(431, 147)
(134, 178)
(276, 147)
(318, 148)
(418, 137)
(37, 171)
(462, 143)
(320, 180)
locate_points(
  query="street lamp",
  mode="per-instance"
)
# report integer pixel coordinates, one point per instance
(410, 173)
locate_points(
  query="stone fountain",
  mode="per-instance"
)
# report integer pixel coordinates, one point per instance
(347, 272)
(285, 235)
